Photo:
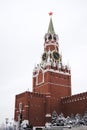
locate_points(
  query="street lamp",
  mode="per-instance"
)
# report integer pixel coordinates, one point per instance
(6, 121)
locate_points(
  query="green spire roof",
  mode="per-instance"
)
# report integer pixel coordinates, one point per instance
(51, 28)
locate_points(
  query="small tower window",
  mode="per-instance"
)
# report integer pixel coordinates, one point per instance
(55, 37)
(49, 37)
(45, 39)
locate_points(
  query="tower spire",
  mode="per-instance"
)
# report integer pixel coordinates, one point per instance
(51, 28)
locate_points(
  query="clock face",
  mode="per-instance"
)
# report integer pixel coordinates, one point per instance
(55, 55)
(44, 56)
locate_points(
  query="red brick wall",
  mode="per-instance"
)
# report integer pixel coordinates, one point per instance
(21, 98)
(51, 47)
(55, 83)
(34, 107)
(52, 78)
(74, 104)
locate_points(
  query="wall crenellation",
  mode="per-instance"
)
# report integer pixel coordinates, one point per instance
(74, 98)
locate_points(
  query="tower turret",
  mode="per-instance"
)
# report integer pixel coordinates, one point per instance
(50, 38)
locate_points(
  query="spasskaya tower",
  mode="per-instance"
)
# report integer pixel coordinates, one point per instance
(51, 76)
(51, 83)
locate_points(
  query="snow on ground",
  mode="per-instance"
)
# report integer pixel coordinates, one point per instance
(77, 128)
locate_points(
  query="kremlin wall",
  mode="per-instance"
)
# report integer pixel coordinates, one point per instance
(51, 87)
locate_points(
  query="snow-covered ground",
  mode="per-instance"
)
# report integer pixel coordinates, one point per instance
(61, 128)
(77, 128)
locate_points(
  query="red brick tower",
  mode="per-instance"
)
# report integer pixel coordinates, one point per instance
(51, 76)
(51, 83)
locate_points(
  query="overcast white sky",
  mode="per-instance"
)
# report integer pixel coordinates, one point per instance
(23, 24)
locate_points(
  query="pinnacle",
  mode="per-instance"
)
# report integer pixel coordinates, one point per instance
(51, 28)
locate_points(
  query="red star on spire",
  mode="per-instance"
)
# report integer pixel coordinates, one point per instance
(50, 13)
